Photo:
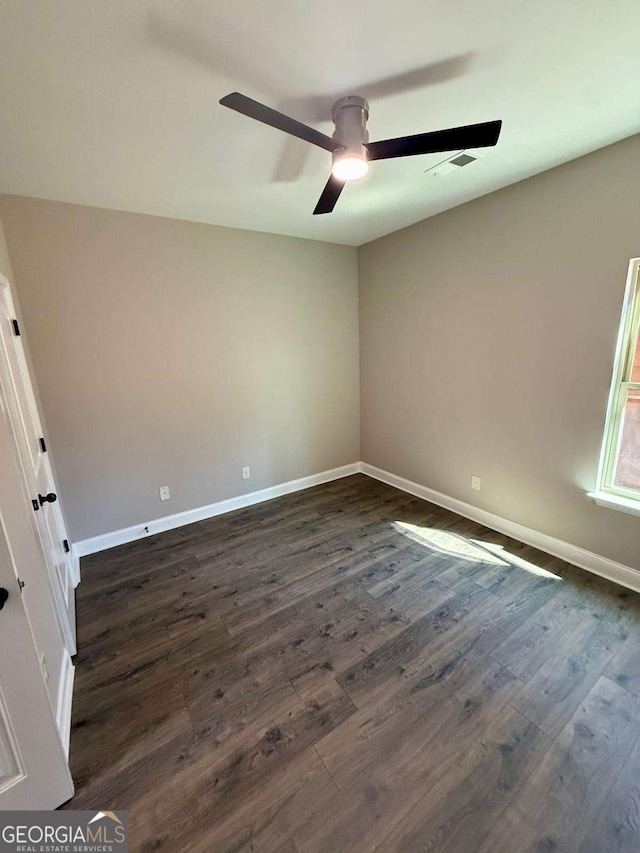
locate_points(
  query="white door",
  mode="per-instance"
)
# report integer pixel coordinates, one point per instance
(34, 665)
(47, 517)
(33, 768)
(53, 538)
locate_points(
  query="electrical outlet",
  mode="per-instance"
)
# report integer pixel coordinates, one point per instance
(475, 483)
(246, 473)
(165, 494)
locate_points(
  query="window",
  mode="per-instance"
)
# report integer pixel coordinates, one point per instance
(618, 482)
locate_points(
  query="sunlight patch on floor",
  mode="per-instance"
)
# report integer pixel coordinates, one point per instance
(474, 550)
(518, 561)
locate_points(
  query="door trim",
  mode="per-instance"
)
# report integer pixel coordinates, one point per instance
(65, 699)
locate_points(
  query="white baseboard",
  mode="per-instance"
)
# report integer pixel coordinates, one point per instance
(75, 566)
(609, 569)
(606, 568)
(65, 697)
(169, 522)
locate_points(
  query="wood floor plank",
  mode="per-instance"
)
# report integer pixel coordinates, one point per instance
(624, 667)
(449, 627)
(557, 809)
(551, 697)
(393, 762)
(475, 684)
(558, 625)
(463, 807)
(270, 816)
(350, 668)
(617, 826)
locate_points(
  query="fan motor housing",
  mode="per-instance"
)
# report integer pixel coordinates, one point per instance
(350, 116)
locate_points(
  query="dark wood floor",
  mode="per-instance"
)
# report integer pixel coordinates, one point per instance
(345, 669)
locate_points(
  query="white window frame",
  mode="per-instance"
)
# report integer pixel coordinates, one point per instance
(606, 493)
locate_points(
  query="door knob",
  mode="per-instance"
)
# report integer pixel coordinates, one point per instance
(3, 596)
(47, 499)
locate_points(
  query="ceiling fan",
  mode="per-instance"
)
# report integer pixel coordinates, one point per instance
(350, 146)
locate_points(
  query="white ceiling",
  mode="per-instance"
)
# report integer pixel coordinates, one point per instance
(114, 103)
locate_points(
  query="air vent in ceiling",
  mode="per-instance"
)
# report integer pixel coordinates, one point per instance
(453, 164)
(463, 160)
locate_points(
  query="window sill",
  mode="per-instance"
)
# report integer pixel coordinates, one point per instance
(616, 502)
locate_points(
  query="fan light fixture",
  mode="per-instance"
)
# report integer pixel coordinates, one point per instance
(350, 168)
(350, 144)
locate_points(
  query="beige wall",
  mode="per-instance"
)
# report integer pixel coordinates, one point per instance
(5, 262)
(487, 340)
(173, 353)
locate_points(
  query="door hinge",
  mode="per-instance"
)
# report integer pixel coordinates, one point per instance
(65, 545)
(20, 584)
(35, 505)
(43, 446)
(16, 328)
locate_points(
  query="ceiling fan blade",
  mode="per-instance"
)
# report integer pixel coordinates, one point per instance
(471, 136)
(258, 111)
(330, 195)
